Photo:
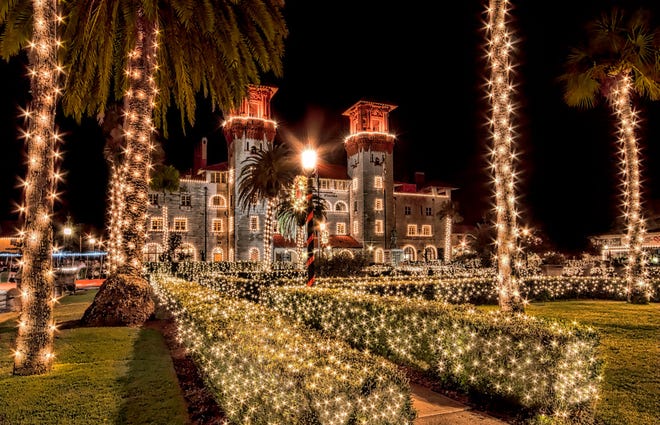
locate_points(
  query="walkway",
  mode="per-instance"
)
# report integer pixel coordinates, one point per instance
(436, 409)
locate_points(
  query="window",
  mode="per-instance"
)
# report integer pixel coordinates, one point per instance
(218, 255)
(355, 184)
(407, 210)
(378, 204)
(254, 223)
(412, 230)
(378, 182)
(378, 228)
(215, 177)
(185, 199)
(379, 256)
(156, 224)
(180, 224)
(151, 252)
(254, 254)
(426, 230)
(341, 185)
(429, 211)
(341, 228)
(409, 253)
(218, 225)
(218, 201)
(323, 183)
(153, 199)
(341, 206)
(356, 227)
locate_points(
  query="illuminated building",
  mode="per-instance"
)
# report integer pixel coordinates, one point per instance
(367, 211)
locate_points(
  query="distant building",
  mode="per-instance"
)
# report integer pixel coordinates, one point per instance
(367, 211)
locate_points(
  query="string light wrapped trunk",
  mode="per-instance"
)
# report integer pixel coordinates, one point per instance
(34, 343)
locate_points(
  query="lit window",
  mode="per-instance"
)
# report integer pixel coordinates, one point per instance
(218, 201)
(378, 228)
(429, 211)
(378, 182)
(426, 230)
(407, 210)
(412, 230)
(153, 199)
(218, 225)
(157, 224)
(324, 184)
(341, 228)
(254, 254)
(215, 177)
(254, 223)
(378, 205)
(218, 255)
(341, 206)
(185, 199)
(379, 255)
(355, 184)
(180, 224)
(356, 227)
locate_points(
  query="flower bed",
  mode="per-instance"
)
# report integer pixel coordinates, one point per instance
(265, 368)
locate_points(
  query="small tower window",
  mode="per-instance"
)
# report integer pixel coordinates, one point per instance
(378, 182)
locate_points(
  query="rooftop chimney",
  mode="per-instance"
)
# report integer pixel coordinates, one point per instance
(199, 160)
(419, 179)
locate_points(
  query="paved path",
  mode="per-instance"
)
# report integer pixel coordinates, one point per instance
(436, 409)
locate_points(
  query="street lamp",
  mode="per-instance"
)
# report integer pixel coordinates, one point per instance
(308, 158)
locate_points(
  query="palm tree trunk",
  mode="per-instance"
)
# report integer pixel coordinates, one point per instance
(115, 218)
(636, 279)
(34, 344)
(500, 80)
(268, 234)
(139, 127)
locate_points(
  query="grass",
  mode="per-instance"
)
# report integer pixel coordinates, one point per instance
(113, 375)
(630, 347)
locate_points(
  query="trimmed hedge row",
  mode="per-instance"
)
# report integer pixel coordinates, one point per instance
(547, 368)
(265, 369)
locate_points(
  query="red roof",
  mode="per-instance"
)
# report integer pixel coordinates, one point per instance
(280, 242)
(220, 166)
(332, 171)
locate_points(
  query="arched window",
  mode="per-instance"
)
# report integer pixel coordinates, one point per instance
(186, 252)
(341, 206)
(379, 255)
(254, 254)
(218, 254)
(430, 253)
(218, 201)
(409, 253)
(346, 252)
(151, 252)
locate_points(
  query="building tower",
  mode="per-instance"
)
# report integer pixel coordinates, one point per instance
(247, 130)
(369, 147)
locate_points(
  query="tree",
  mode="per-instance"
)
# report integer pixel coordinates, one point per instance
(499, 56)
(154, 55)
(265, 175)
(450, 213)
(292, 213)
(620, 63)
(34, 344)
(164, 178)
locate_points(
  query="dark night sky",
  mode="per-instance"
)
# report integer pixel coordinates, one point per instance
(430, 64)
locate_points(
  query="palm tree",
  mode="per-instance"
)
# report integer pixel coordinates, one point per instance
(449, 212)
(292, 214)
(620, 63)
(212, 47)
(265, 175)
(33, 354)
(499, 56)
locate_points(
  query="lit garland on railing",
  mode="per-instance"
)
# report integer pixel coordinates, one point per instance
(34, 344)
(501, 122)
(263, 368)
(636, 278)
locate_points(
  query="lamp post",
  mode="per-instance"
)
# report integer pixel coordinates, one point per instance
(309, 166)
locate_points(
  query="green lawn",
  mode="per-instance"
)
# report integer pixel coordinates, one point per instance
(101, 375)
(630, 346)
